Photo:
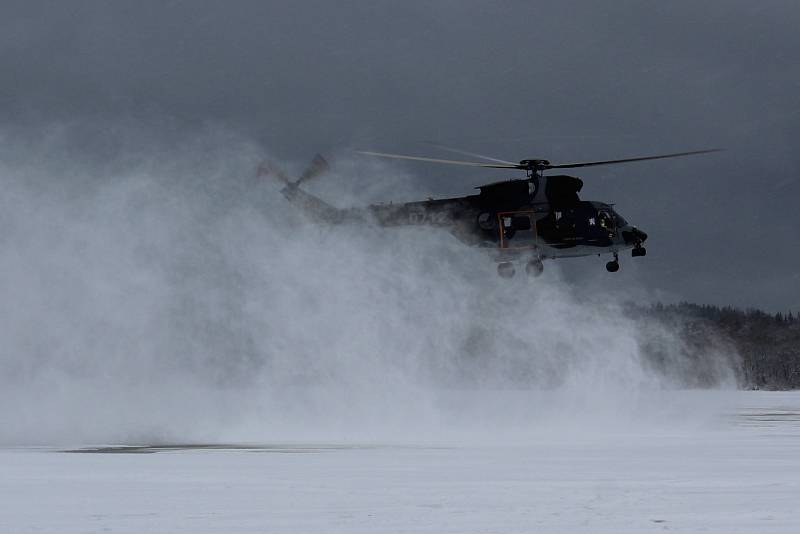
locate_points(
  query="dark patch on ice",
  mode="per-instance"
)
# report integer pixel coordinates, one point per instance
(768, 418)
(294, 448)
(274, 447)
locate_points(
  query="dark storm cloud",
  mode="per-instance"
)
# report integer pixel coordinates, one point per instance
(562, 80)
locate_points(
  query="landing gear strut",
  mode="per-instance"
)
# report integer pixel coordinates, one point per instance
(613, 265)
(534, 267)
(506, 269)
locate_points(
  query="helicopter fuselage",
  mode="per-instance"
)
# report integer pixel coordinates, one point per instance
(538, 218)
(534, 229)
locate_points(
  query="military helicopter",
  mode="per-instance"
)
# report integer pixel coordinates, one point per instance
(527, 219)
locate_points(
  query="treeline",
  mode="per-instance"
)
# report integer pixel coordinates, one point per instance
(762, 349)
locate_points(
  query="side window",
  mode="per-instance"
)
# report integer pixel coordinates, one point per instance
(486, 221)
(521, 222)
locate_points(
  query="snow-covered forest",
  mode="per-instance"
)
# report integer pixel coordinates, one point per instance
(764, 349)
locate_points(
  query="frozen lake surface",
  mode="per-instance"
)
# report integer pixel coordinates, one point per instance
(737, 470)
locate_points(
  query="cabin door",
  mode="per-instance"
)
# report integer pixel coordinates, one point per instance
(517, 229)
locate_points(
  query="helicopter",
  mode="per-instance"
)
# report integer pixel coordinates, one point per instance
(529, 220)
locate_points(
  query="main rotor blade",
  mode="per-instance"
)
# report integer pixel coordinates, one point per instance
(465, 153)
(448, 161)
(317, 166)
(627, 160)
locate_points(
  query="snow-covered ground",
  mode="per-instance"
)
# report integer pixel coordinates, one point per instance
(736, 471)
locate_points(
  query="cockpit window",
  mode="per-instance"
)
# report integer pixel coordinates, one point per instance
(604, 220)
(620, 220)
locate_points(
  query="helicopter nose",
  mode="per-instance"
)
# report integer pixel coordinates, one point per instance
(633, 235)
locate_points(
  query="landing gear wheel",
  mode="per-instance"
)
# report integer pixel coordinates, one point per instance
(639, 251)
(506, 269)
(613, 265)
(534, 268)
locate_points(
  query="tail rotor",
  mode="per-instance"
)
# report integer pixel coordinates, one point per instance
(315, 169)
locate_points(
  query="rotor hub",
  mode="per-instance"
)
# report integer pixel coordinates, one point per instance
(534, 164)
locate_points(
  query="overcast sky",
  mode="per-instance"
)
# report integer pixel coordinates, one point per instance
(562, 80)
